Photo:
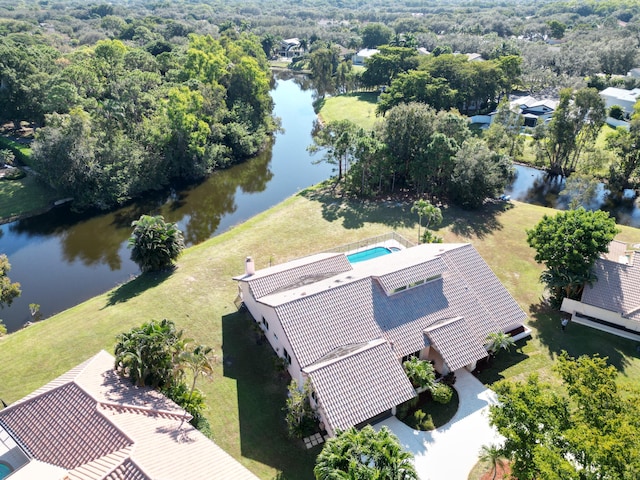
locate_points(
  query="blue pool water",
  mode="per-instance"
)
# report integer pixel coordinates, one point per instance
(374, 252)
(5, 470)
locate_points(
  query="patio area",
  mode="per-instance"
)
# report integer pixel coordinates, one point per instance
(452, 450)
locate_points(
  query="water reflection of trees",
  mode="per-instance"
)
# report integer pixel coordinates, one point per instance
(203, 206)
(97, 239)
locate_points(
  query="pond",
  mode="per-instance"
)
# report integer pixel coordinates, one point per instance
(533, 186)
(61, 258)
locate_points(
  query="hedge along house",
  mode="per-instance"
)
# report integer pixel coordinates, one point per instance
(347, 327)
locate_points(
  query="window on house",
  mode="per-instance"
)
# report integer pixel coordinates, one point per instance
(408, 357)
(275, 336)
(286, 355)
(265, 323)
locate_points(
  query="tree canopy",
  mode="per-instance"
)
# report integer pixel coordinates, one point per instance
(569, 243)
(119, 121)
(155, 244)
(8, 290)
(587, 434)
(364, 454)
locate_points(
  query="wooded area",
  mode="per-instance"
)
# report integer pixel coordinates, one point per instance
(128, 97)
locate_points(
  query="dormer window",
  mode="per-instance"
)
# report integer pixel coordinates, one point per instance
(417, 283)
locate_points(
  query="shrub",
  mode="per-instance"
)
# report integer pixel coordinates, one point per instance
(429, 237)
(155, 244)
(442, 393)
(423, 421)
(192, 402)
(299, 414)
(616, 112)
(14, 174)
(420, 372)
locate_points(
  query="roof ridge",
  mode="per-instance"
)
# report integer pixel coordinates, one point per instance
(324, 363)
(102, 466)
(138, 409)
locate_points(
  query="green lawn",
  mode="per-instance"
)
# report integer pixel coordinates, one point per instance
(360, 108)
(24, 196)
(246, 395)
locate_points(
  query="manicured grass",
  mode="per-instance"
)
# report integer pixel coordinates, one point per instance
(246, 395)
(24, 196)
(360, 108)
(20, 150)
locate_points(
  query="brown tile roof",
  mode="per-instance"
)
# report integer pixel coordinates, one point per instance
(127, 470)
(353, 307)
(297, 273)
(54, 424)
(360, 385)
(617, 288)
(97, 425)
(450, 338)
(406, 276)
(358, 310)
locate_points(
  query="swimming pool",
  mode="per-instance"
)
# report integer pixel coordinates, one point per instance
(370, 253)
(5, 470)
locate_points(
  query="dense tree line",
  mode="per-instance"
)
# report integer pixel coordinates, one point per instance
(119, 120)
(418, 150)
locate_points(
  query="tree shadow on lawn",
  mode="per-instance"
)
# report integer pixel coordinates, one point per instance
(475, 223)
(135, 287)
(489, 370)
(396, 212)
(354, 212)
(248, 358)
(578, 339)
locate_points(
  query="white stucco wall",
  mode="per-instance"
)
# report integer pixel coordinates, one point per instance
(275, 335)
(573, 306)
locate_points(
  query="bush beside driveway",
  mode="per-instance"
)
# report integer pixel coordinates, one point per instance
(451, 451)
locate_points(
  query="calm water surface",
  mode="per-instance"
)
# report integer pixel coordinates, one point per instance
(62, 259)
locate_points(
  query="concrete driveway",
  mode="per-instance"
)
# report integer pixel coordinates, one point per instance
(451, 451)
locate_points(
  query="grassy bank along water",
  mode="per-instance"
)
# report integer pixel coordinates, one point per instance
(246, 395)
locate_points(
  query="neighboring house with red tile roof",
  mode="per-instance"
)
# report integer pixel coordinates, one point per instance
(90, 423)
(612, 303)
(347, 326)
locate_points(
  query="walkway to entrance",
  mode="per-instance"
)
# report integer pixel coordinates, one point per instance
(451, 451)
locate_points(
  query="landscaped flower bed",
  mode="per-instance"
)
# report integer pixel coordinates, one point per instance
(431, 414)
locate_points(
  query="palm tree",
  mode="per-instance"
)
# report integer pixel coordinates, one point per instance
(199, 362)
(492, 454)
(354, 454)
(499, 341)
(429, 212)
(147, 354)
(155, 244)
(420, 372)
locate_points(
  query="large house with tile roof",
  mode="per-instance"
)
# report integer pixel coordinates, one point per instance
(346, 327)
(612, 303)
(92, 424)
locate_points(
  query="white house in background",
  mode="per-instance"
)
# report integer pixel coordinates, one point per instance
(346, 327)
(533, 111)
(634, 72)
(290, 48)
(619, 96)
(91, 424)
(612, 303)
(361, 57)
